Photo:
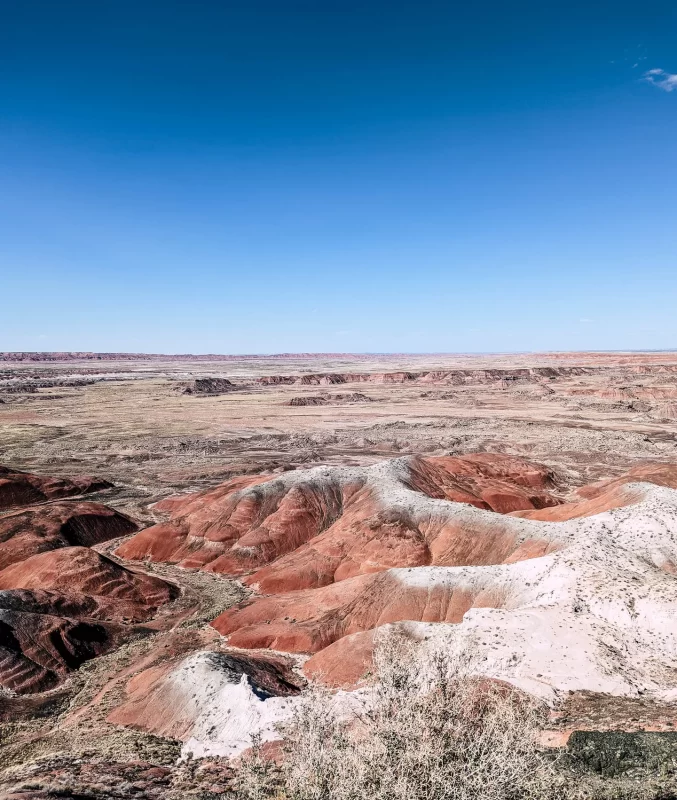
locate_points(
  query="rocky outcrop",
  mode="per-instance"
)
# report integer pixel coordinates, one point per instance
(317, 400)
(208, 386)
(329, 399)
(449, 376)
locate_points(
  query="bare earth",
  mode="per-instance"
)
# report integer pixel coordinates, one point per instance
(149, 429)
(131, 424)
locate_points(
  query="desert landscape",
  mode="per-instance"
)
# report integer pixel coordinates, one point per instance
(338, 400)
(189, 544)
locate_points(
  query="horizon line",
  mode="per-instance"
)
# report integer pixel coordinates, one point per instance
(46, 355)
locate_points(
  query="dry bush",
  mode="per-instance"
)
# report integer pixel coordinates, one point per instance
(428, 732)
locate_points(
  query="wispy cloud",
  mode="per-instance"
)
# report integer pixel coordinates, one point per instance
(666, 81)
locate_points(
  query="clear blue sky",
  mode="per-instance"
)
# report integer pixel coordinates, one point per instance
(337, 176)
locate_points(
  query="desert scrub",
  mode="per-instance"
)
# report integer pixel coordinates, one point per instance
(428, 731)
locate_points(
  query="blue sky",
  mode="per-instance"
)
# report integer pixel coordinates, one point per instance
(322, 176)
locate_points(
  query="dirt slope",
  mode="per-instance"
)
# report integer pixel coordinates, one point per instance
(62, 603)
(21, 488)
(313, 527)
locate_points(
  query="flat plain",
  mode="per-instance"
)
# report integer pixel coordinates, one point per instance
(131, 421)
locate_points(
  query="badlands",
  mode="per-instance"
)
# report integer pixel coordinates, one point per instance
(187, 543)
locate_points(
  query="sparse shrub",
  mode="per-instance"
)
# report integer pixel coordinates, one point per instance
(429, 731)
(258, 777)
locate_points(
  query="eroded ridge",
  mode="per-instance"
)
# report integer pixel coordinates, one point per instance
(548, 595)
(61, 602)
(314, 527)
(19, 488)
